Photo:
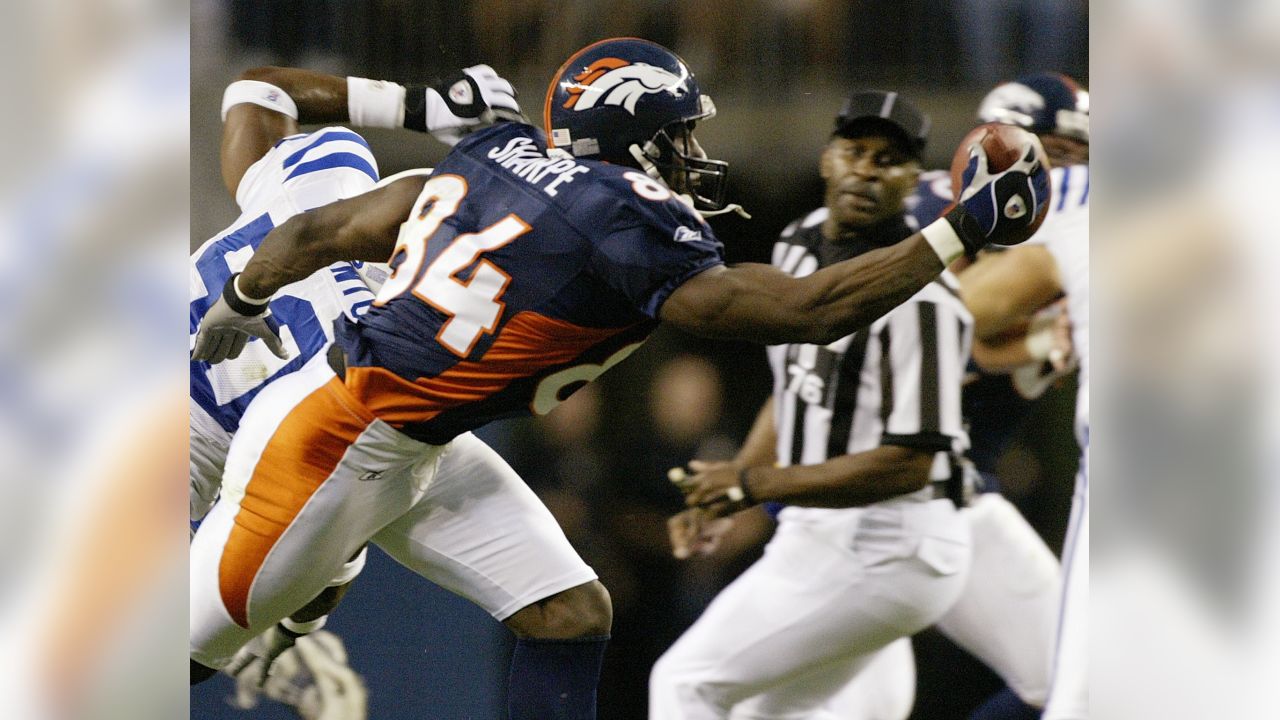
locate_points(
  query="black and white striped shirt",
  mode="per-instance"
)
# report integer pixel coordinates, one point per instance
(895, 383)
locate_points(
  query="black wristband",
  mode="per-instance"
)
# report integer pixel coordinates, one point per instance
(235, 302)
(967, 229)
(748, 499)
(415, 107)
(287, 632)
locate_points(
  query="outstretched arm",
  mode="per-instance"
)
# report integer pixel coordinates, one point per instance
(763, 304)
(267, 103)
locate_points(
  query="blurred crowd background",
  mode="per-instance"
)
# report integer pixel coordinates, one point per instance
(97, 216)
(779, 71)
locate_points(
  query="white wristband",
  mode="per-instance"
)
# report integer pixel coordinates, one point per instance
(258, 93)
(303, 628)
(375, 103)
(350, 570)
(944, 240)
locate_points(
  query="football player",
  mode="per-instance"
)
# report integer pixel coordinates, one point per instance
(274, 171)
(1006, 290)
(527, 265)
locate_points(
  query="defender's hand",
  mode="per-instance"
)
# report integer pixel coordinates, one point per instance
(253, 662)
(477, 97)
(999, 207)
(337, 692)
(230, 324)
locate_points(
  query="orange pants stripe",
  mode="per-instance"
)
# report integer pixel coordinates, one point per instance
(302, 454)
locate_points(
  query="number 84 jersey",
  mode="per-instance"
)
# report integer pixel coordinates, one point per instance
(518, 277)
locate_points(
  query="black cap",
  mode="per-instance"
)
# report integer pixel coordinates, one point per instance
(874, 110)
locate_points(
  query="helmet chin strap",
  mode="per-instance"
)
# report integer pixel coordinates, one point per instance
(650, 169)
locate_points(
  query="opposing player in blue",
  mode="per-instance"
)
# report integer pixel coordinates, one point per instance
(527, 265)
(275, 172)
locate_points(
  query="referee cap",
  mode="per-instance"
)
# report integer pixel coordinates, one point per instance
(875, 110)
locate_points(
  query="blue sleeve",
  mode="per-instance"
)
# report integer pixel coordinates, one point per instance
(651, 248)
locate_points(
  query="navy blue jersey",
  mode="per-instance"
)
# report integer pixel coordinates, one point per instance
(519, 277)
(932, 196)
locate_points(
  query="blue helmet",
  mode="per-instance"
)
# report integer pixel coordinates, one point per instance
(632, 102)
(1044, 103)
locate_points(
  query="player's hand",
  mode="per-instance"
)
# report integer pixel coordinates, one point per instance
(252, 664)
(716, 488)
(981, 216)
(336, 692)
(225, 330)
(474, 98)
(693, 532)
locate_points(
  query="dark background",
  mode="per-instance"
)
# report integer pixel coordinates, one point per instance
(778, 70)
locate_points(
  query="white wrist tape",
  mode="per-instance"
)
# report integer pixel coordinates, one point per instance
(350, 570)
(1040, 341)
(246, 298)
(258, 93)
(303, 628)
(944, 240)
(375, 103)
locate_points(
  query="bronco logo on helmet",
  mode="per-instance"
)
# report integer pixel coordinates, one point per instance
(613, 81)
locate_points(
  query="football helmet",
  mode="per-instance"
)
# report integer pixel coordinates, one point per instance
(1044, 103)
(634, 102)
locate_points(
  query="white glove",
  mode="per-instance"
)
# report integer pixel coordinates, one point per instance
(475, 98)
(225, 330)
(337, 692)
(253, 663)
(312, 677)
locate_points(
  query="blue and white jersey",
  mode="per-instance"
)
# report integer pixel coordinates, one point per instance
(300, 173)
(1065, 234)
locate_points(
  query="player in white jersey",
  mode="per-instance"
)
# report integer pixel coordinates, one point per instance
(866, 433)
(1006, 290)
(297, 172)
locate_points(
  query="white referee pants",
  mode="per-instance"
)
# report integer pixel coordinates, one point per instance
(312, 476)
(1007, 616)
(833, 588)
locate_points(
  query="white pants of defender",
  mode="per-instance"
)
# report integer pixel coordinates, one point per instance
(833, 588)
(1069, 690)
(312, 476)
(1007, 617)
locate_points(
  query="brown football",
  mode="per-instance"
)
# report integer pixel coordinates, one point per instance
(1001, 143)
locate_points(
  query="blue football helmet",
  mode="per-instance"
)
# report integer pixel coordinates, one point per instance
(633, 102)
(1044, 103)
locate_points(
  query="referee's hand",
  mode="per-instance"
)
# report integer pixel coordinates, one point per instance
(715, 487)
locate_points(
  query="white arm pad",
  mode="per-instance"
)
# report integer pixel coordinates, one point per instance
(258, 93)
(944, 240)
(375, 103)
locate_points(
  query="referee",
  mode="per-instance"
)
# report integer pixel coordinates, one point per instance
(859, 440)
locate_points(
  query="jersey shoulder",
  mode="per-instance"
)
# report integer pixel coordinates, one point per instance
(931, 197)
(594, 197)
(313, 168)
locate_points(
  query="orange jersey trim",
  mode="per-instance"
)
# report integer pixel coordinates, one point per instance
(526, 345)
(304, 451)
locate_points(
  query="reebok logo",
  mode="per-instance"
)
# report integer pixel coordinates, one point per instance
(684, 234)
